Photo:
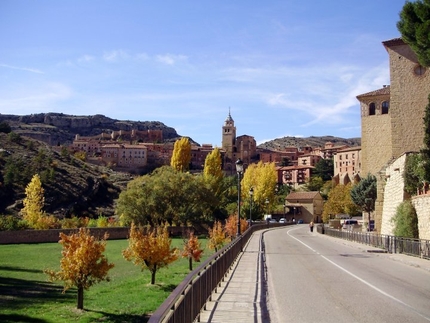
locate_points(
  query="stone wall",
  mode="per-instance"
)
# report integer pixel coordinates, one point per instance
(422, 206)
(41, 236)
(393, 193)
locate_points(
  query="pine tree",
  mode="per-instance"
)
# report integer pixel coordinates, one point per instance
(414, 26)
(181, 156)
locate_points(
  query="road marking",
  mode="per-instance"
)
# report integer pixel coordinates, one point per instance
(359, 279)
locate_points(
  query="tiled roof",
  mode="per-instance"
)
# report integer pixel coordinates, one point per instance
(384, 91)
(393, 42)
(302, 195)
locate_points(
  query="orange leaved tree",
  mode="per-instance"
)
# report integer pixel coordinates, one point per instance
(150, 248)
(217, 237)
(192, 249)
(83, 263)
(231, 226)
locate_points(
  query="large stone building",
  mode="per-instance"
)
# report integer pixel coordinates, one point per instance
(392, 121)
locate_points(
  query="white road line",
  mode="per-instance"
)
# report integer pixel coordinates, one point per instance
(359, 279)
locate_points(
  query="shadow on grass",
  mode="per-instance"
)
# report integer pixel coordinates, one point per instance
(19, 318)
(168, 288)
(9, 268)
(120, 318)
(16, 294)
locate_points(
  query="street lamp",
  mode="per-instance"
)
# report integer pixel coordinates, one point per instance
(267, 206)
(239, 171)
(251, 192)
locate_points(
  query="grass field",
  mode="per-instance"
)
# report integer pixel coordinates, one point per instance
(26, 295)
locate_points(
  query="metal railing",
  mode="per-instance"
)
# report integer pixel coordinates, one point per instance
(184, 304)
(392, 244)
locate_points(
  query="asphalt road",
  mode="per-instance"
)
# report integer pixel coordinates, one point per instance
(315, 278)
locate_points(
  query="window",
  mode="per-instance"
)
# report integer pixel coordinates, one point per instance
(385, 106)
(372, 109)
(419, 70)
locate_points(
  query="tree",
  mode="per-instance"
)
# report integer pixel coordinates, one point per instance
(34, 201)
(165, 195)
(414, 26)
(363, 194)
(192, 249)
(150, 248)
(339, 201)
(406, 221)
(314, 184)
(262, 178)
(181, 156)
(324, 169)
(4, 127)
(217, 236)
(83, 263)
(231, 226)
(213, 166)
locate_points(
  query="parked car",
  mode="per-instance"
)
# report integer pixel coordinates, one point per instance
(273, 221)
(300, 221)
(350, 225)
(282, 220)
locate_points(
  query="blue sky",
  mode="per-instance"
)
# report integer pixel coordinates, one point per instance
(284, 68)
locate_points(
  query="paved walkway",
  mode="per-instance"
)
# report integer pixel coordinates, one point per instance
(241, 298)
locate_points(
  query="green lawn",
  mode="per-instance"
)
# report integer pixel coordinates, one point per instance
(26, 295)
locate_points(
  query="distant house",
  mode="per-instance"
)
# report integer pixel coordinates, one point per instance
(306, 206)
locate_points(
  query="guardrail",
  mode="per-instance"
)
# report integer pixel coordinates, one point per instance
(392, 244)
(184, 304)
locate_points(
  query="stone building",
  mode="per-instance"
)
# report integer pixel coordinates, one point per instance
(233, 148)
(307, 206)
(347, 165)
(392, 123)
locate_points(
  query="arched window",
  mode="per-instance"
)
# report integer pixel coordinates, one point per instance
(372, 109)
(385, 106)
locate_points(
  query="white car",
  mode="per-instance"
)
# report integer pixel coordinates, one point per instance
(282, 220)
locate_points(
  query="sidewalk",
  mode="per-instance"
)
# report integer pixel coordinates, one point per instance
(241, 297)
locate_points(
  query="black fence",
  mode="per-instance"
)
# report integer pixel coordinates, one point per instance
(187, 300)
(412, 247)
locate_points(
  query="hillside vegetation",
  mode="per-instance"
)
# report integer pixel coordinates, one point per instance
(282, 143)
(72, 187)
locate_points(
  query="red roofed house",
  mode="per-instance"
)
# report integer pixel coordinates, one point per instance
(306, 206)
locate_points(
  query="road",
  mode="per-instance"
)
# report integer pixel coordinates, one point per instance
(315, 278)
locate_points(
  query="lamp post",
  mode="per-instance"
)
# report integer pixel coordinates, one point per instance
(251, 193)
(239, 171)
(267, 206)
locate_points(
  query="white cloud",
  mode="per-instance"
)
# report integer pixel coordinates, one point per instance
(85, 58)
(170, 59)
(27, 69)
(115, 55)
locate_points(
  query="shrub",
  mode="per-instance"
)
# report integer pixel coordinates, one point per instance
(406, 221)
(12, 223)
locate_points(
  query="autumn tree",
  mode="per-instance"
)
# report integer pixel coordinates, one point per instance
(181, 156)
(83, 263)
(217, 236)
(262, 178)
(339, 201)
(34, 201)
(192, 249)
(150, 248)
(231, 226)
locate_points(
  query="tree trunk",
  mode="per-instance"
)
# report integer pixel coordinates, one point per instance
(153, 275)
(190, 260)
(80, 298)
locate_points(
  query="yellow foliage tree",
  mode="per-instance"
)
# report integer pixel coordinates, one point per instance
(150, 248)
(181, 156)
(34, 201)
(339, 201)
(192, 249)
(83, 263)
(217, 236)
(213, 165)
(262, 178)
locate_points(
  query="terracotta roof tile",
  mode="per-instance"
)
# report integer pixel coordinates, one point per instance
(302, 195)
(384, 91)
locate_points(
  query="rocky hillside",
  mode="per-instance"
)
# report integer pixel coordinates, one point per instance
(58, 128)
(281, 143)
(72, 187)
